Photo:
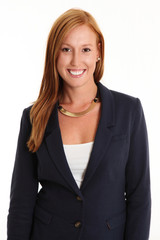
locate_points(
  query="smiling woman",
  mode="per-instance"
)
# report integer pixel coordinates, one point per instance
(86, 145)
(65, 47)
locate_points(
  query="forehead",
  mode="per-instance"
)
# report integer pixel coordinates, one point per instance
(82, 34)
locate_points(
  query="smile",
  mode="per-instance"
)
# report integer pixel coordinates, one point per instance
(76, 73)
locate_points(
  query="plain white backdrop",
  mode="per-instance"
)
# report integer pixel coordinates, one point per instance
(132, 65)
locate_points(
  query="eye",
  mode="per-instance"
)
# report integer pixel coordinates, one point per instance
(86, 50)
(66, 50)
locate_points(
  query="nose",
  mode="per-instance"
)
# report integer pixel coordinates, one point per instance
(75, 58)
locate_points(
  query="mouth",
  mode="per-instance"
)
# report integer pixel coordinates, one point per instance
(76, 72)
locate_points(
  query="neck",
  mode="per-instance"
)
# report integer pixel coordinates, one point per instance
(78, 96)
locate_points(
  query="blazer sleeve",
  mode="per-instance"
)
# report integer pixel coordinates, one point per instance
(138, 198)
(24, 186)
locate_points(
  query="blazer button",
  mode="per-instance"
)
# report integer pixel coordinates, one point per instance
(78, 224)
(108, 225)
(78, 198)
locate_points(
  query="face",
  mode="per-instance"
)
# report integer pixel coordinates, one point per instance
(77, 56)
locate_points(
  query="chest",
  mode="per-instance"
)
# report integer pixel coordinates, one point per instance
(79, 130)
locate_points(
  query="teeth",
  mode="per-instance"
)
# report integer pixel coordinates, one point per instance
(76, 73)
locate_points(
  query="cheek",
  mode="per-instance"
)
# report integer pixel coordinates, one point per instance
(61, 63)
(91, 62)
(63, 58)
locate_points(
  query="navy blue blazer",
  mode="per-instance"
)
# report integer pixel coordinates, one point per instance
(113, 201)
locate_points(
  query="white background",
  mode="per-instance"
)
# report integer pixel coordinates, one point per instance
(132, 65)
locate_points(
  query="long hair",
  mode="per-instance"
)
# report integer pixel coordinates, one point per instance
(51, 86)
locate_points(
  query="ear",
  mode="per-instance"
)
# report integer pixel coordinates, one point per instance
(99, 46)
(98, 50)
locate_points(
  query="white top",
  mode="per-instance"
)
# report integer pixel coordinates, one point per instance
(78, 156)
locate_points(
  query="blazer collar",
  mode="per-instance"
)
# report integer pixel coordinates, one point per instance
(54, 144)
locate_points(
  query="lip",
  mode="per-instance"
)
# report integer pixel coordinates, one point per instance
(76, 73)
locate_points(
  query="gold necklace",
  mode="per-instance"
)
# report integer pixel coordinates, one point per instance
(79, 114)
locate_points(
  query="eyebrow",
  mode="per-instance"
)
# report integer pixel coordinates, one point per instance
(84, 45)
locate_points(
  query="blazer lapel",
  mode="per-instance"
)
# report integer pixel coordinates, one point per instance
(55, 148)
(103, 134)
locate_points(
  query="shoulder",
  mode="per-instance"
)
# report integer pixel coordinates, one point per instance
(119, 96)
(122, 106)
(120, 100)
(127, 102)
(26, 111)
(128, 109)
(124, 99)
(25, 119)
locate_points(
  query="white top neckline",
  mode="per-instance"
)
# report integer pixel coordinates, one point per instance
(81, 144)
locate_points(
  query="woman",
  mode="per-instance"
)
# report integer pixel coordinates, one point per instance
(85, 144)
